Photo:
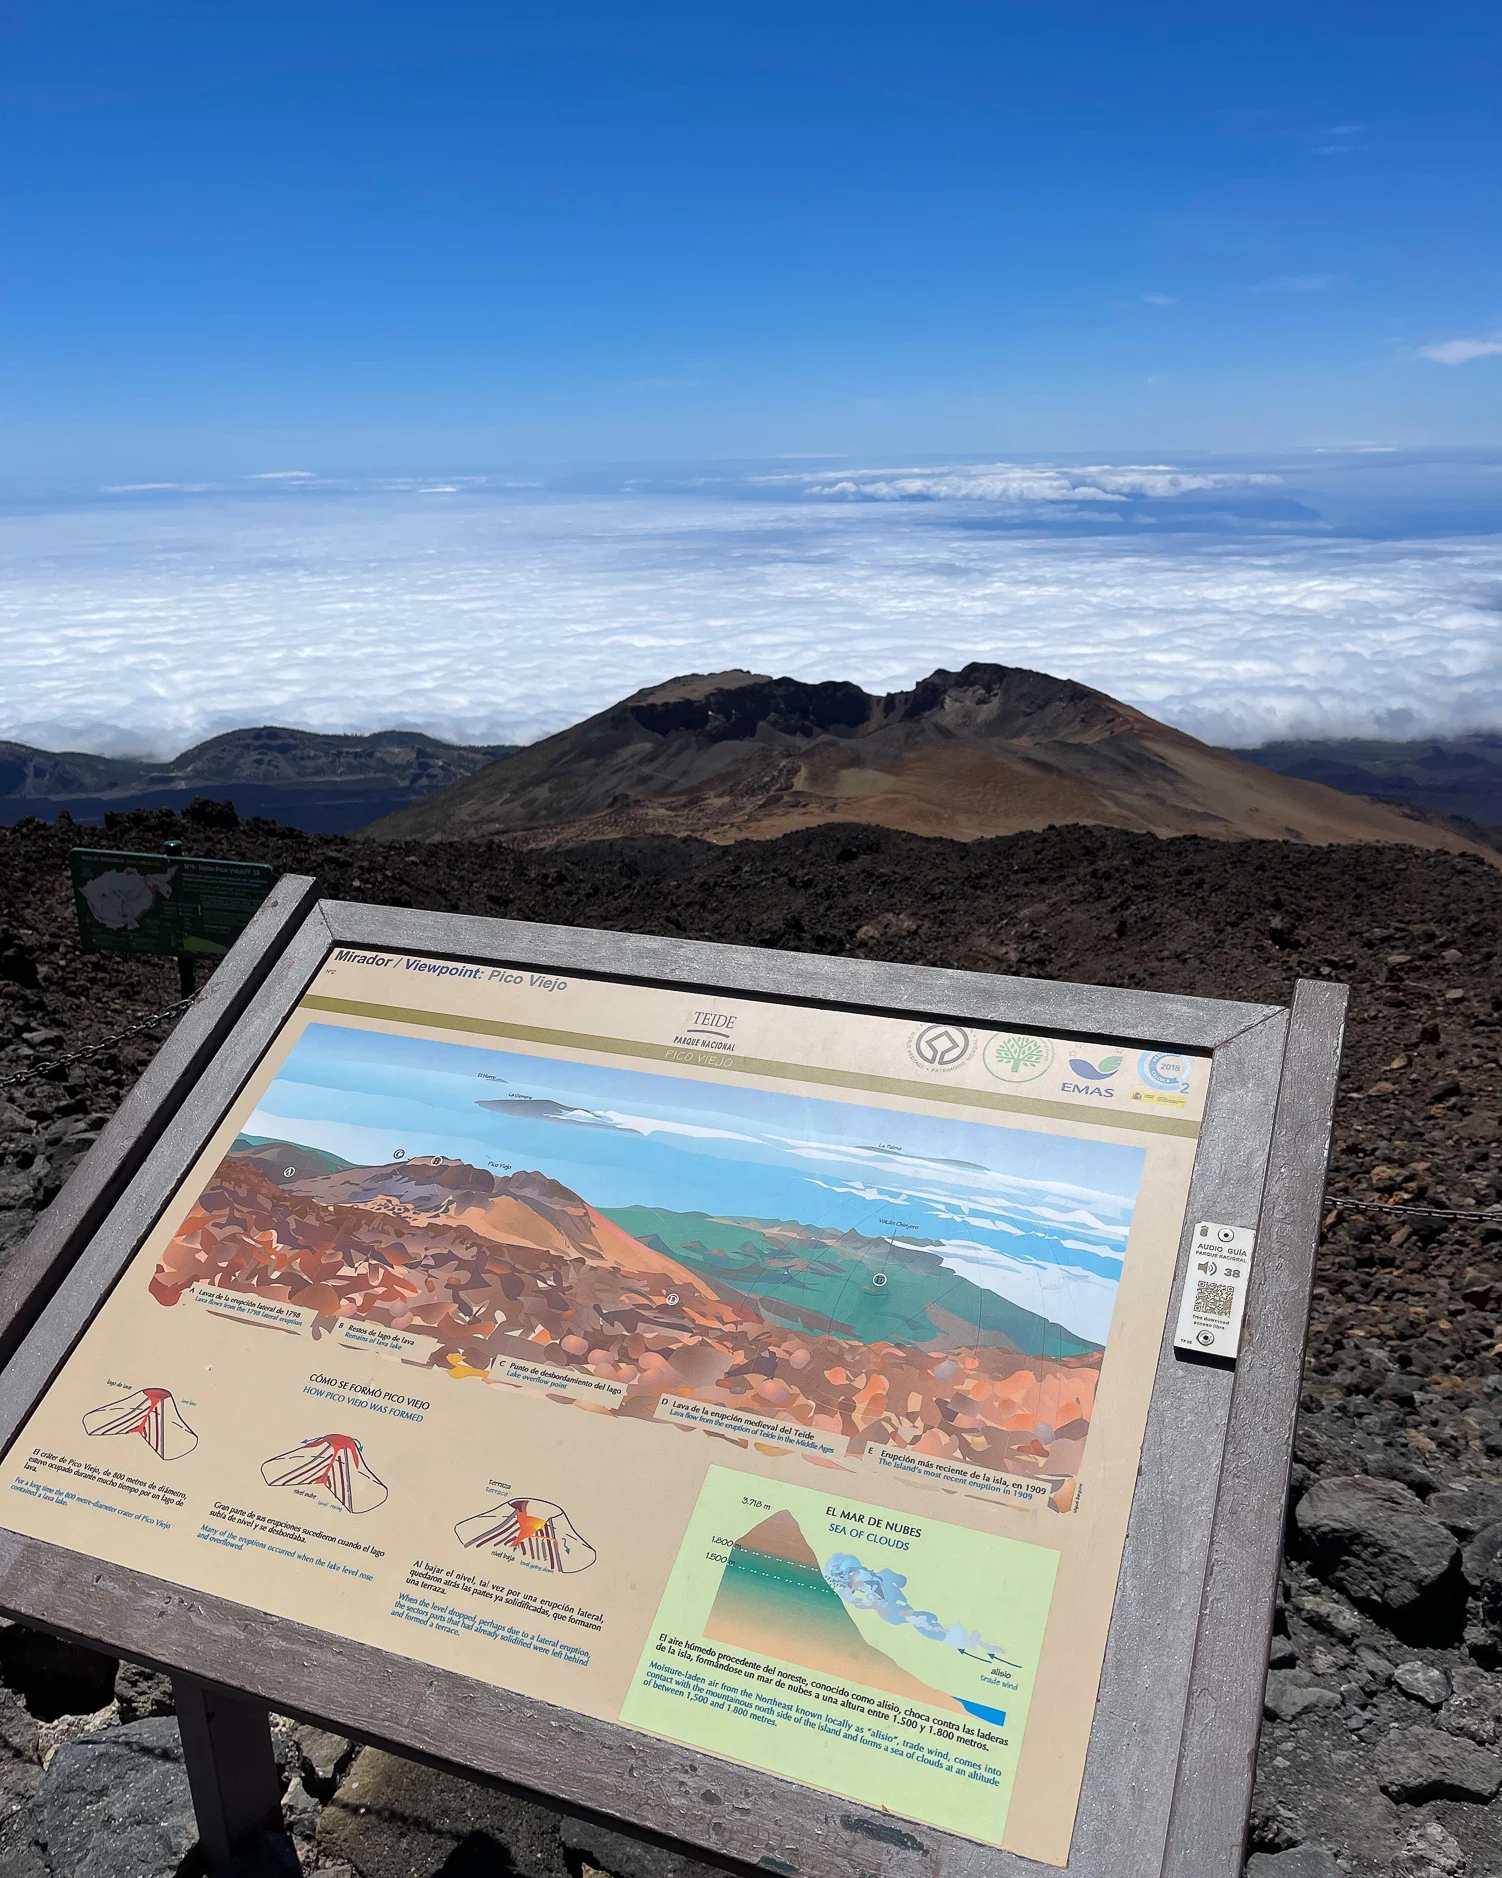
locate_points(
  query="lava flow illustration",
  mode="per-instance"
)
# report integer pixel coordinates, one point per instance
(334, 1463)
(150, 1413)
(538, 1532)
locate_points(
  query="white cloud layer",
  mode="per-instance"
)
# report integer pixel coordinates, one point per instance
(147, 624)
(1020, 484)
(1462, 351)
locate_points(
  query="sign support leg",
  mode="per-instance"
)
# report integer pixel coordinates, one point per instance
(185, 975)
(231, 1767)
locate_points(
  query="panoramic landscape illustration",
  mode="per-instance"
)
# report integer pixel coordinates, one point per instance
(855, 1278)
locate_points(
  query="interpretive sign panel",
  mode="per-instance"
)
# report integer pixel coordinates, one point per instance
(771, 1378)
(170, 904)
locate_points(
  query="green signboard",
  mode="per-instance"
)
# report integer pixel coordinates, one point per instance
(165, 903)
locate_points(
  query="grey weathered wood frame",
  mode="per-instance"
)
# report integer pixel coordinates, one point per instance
(1168, 1773)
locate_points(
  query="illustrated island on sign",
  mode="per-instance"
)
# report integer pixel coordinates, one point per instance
(865, 1341)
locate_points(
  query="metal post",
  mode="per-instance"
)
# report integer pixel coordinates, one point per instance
(231, 1766)
(185, 975)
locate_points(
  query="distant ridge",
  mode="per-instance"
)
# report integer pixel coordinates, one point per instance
(988, 750)
(1456, 776)
(327, 783)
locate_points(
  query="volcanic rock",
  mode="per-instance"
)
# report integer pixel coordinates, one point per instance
(1429, 1851)
(1299, 1861)
(1425, 1682)
(1475, 1709)
(1291, 1693)
(118, 1806)
(20, 1754)
(318, 1757)
(393, 1819)
(1374, 1540)
(1468, 1505)
(141, 1692)
(1324, 1794)
(1482, 1562)
(625, 1857)
(1425, 1764)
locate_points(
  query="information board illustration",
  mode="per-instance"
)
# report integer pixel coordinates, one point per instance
(768, 1257)
(768, 1379)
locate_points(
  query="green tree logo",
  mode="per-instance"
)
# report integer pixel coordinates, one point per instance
(1017, 1057)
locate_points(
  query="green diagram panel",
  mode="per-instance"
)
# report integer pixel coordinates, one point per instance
(886, 1657)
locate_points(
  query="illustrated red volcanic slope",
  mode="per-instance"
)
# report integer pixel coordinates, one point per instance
(988, 750)
(491, 1267)
(774, 1599)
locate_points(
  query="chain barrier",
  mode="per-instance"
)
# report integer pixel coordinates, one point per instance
(149, 1022)
(1492, 1213)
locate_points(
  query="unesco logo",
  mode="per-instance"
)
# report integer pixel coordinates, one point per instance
(941, 1046)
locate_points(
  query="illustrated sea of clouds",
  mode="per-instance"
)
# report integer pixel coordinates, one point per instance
(1238, 603)
(1040, 1219)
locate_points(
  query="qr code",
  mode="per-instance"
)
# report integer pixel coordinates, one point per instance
(1213, 1300)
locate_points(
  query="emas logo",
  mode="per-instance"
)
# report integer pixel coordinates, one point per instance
(1094, 1076)
(1165, 1079)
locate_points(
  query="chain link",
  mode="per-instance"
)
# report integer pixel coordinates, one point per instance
(148, 1022)
(1493, 1213)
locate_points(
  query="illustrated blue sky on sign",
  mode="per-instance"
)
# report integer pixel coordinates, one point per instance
(1039, 1219)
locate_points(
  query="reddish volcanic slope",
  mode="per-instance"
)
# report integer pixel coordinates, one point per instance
(988, 750)
(492, 1267)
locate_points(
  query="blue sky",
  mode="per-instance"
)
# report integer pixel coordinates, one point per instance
(1040, 1219)
(350, 238)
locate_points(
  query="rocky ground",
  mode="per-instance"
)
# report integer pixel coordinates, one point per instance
(1382, 1751)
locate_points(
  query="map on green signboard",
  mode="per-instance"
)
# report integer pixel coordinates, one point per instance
(165, 903)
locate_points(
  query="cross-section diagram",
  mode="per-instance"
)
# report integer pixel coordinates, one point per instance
(150, 1413)
(336, 1465)
(538, 1532)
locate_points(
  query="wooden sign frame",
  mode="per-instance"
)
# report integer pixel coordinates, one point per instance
(1168, 1774)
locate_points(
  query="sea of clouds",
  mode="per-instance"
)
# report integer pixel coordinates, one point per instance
(1241, 602)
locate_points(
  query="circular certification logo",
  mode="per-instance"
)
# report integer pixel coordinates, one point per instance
(1161, 1069)
(1017, 1057)
(941, 1046)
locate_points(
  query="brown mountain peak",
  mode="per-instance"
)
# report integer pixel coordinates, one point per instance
(780, 1536)
(986, 750)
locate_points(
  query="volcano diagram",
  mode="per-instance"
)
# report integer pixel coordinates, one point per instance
(538, 1532)
(152, 1414)
(331, 1464)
